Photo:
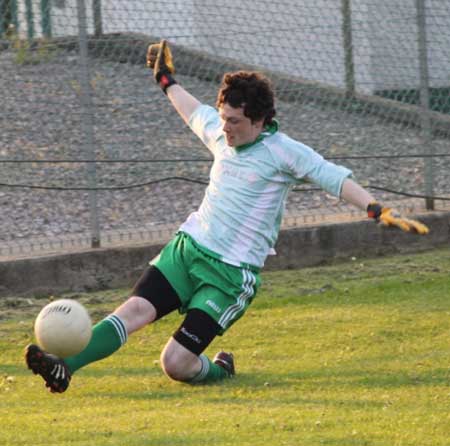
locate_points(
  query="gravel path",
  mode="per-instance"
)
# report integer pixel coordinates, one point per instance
(41, 120)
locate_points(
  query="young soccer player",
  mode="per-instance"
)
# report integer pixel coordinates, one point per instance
(210, 270)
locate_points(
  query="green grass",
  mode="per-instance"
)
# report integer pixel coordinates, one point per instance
(355, 353)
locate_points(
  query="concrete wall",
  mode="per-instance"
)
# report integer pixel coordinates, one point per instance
(296, 248)
(301, 38)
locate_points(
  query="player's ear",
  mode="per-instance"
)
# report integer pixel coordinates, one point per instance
(258, 123)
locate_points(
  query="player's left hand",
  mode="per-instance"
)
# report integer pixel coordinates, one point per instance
(159, 58)
(390, 217)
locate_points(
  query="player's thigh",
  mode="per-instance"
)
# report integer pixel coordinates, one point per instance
(227, 302)
(154, 287)
(173, 264)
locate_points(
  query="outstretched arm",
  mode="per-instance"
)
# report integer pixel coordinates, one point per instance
(357, 195)
(159, 58)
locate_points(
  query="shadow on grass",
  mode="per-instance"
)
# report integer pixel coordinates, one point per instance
(345, 378)
(148, 437)
(253, 388)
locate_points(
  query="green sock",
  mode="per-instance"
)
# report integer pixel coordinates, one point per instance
(107, 337)
(209, 372)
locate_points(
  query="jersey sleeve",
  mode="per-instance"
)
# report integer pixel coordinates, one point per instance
(305, 164)
(205, 123)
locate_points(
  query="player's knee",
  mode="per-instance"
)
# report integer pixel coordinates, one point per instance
(171, 366)
(139, 306)
(176, 367)
(173, 371)
(136, 312)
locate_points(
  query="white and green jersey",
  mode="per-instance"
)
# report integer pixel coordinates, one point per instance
(241, 212)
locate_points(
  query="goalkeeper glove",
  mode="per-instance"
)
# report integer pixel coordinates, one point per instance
(159, 58)
(389, 217)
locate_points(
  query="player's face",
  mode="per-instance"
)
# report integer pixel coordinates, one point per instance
(237, 128)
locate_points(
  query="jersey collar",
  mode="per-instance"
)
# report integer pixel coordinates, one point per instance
(269, 129)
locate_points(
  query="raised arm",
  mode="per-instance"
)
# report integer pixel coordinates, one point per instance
(159, 58)
(183, 101)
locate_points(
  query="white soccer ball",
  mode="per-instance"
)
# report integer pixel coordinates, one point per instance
(63, 327)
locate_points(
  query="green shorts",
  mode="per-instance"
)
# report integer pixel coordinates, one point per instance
(204, 282)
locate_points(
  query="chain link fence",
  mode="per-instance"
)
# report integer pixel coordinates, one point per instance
(92, 154)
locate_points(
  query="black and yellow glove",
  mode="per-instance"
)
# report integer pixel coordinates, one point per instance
(159, 58)
(389, 217)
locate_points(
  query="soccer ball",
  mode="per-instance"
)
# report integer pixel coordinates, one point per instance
(63, 327)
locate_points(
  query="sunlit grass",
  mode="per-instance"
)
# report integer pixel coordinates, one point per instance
(350, 354)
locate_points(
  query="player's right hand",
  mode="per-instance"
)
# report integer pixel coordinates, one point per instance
(389, 217)
(159, 58)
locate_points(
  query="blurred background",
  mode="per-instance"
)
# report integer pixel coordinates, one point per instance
(92, 154)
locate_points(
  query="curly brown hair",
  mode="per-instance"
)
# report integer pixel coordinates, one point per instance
(250, 90)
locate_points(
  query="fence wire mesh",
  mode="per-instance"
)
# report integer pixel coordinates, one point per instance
(91, 152)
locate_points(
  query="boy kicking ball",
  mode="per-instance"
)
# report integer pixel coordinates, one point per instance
(210, 270)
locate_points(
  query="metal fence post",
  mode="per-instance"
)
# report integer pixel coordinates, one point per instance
(97, 13)
(348, 47)
(14, 14)
(3, 18)
(29, 18)
(46, 18)
(9, 23)
(87, 116)
(425, 103)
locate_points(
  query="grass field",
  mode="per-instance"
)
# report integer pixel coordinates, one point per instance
(355, 353)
